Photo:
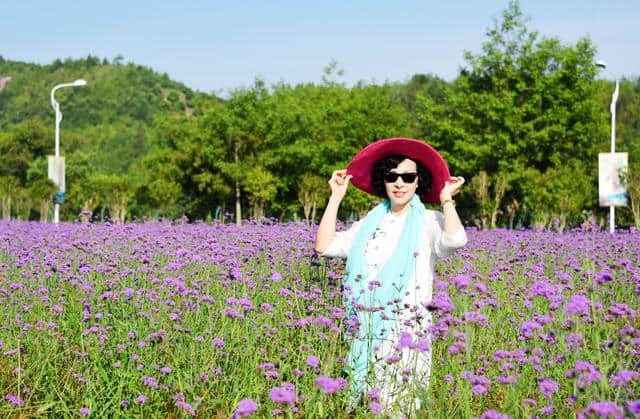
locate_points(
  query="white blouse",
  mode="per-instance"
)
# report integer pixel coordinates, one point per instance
(414, 318)
(437, 244)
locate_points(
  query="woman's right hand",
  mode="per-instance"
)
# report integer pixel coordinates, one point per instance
(339, 182)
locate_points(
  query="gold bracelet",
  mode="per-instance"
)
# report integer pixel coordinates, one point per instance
(448, 200)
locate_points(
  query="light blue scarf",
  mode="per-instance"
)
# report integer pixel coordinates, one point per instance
(393, 278)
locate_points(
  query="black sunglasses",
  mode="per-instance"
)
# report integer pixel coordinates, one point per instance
(391, 177)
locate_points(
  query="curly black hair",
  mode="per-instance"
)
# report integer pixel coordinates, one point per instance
(386, 164)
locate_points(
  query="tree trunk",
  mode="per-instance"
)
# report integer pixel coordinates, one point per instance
(87, 210)
(313, 212)
(305, 199)
(23, 207)
(306, 208)
(480, 186)
(499, 190)
(633, 191)
(635, 210)
(542, 220)
(563, 222)
(123, 209)
(6, 207)
(259, 210)
(44, 210)
(238, 208)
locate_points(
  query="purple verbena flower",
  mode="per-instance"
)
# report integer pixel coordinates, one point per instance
(602, 409)
(284, 394)
(246, 407)
(14, 400)
(578, 305)
(330, 385)
(623, 377)
(312, 361)
(548, 387)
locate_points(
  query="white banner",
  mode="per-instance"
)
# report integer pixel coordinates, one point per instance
(56, 171)
(612, 190)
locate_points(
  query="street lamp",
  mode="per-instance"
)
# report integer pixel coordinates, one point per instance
(56, 163)
(612, 108)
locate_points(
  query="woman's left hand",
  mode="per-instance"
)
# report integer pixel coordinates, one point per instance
(451, 187)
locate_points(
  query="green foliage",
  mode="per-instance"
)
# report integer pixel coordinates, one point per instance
(113, 91)
(558, 192)
(259, 184)
(524, 105)
(22, 143)
(631, 178)
(357, 203)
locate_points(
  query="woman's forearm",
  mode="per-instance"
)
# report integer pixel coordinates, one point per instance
(452, 221)
(327, 227)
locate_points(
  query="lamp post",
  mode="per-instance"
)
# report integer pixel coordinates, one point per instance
(56, 164)
(612, 108)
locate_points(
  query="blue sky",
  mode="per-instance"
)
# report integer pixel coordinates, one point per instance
(214, 46)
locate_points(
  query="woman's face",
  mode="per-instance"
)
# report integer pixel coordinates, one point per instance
(399, 192)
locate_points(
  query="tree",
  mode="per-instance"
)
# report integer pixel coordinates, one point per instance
(312, 194)
(172, 178)
(480, 187)
(80, 197)
(237, 132)
(627, 139)
(21, 144)
(316, 129)
(243, 135)
(358, 202)
(259, 185)
(42, 189)
(560, 191)
(632, 181)
(523, 103)
(427, 85)
(9, 188)
(500, 186)
(23, 203)
(113, 191)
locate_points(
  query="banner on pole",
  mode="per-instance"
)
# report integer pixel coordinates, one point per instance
(56, 171)
(612, 188)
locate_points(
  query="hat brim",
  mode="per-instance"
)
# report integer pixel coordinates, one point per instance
(361, 165)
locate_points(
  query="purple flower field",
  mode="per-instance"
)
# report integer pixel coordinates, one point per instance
(162, 319)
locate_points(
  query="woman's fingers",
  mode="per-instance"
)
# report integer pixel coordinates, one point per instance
(454, 184)
(339, 178)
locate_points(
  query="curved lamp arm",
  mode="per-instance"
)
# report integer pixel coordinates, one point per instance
(79, 82)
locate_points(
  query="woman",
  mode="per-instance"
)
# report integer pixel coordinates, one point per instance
(391, 256)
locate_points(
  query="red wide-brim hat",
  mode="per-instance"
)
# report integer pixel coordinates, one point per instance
(361, 165)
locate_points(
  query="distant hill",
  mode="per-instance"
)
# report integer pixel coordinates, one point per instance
(113, 91)
(110, 120)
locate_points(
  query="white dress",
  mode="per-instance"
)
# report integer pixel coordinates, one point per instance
(403, 367)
